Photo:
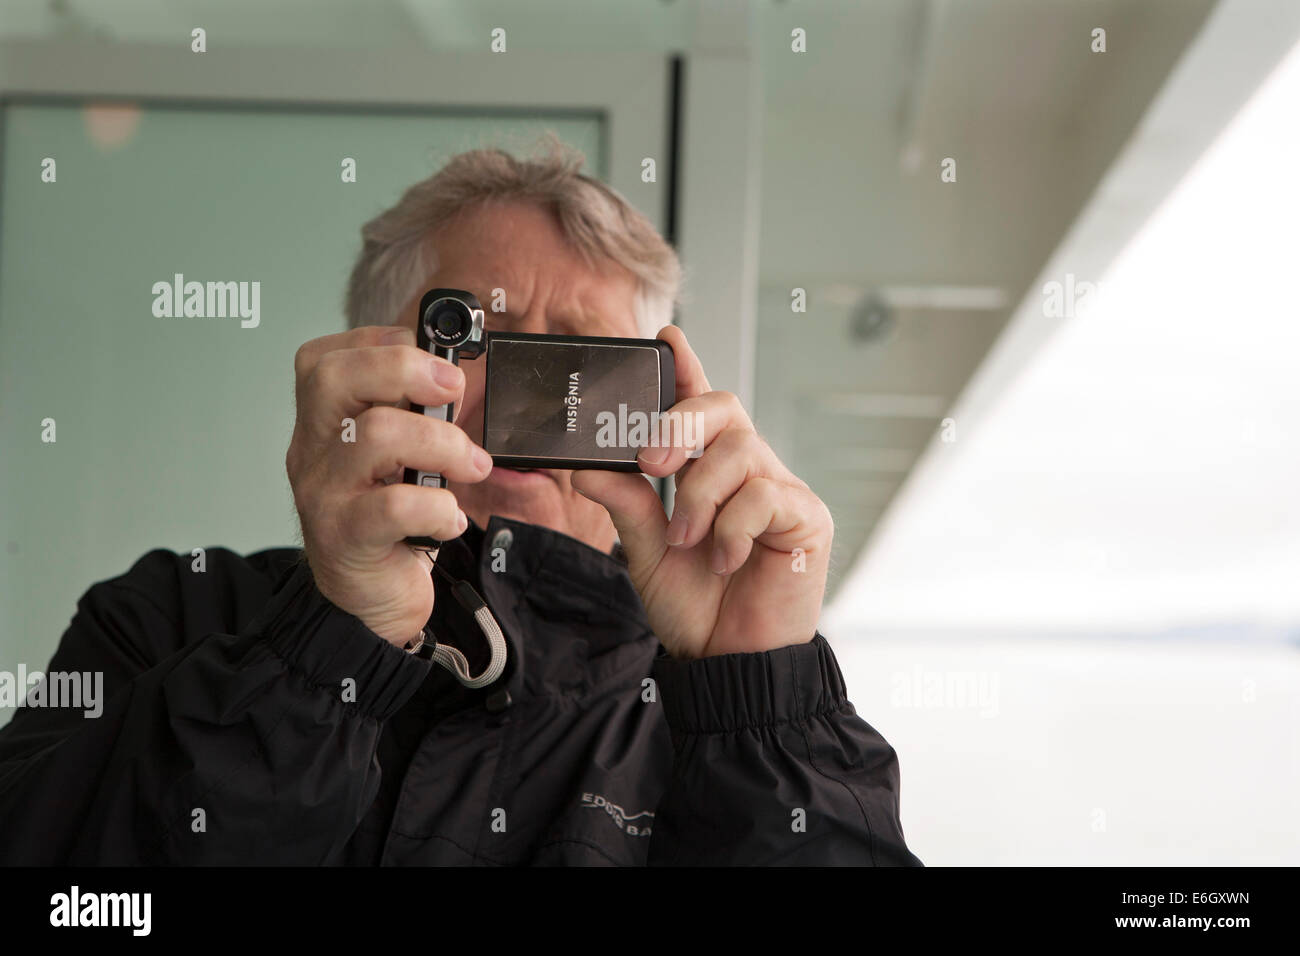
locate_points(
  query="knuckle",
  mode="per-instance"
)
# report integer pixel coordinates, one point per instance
(815, 513)
(298, 468)
(826, 520)
(442, 504)
(726, 523)
(304, 359)
(326, 376)
(392, 503)
(414, 364)
(432, 433)
(379, 426)
(449, 440)
(730, 400)
(766, 492)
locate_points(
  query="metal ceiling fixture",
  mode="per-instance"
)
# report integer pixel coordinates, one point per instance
(871, 319)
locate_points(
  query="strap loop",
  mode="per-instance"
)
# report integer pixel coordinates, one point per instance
(450, 658)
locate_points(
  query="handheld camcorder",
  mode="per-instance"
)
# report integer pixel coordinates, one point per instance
(550, 401)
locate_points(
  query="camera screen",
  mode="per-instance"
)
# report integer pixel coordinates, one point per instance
(569, 400)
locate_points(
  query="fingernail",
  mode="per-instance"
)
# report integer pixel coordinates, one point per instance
(654, 455)
(482, 459)
(676, 532)
(718, 563)
(446, 374)
(395, 336)
(462, 522)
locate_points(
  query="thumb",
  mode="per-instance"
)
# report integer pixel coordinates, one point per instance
(635, 509)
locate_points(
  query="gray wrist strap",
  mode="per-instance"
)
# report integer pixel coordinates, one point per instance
(454, 661)
(450, 658)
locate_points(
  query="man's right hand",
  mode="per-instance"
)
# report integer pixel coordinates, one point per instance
(353, 520)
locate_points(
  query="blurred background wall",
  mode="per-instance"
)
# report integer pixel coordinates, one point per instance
(171, 432)
(1064, 583)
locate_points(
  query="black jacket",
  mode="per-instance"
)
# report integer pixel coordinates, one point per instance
(224, 693)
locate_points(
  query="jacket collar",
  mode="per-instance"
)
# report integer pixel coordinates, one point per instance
(562, 605)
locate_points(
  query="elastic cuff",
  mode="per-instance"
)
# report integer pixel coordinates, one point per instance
(735, 691)
(328, 645)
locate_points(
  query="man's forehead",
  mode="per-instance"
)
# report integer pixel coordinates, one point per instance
(511, 273)
(524, 261)
(509, 240)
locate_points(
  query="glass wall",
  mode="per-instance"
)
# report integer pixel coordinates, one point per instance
(151, 415)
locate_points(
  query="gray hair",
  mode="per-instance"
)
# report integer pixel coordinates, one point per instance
(397, 255)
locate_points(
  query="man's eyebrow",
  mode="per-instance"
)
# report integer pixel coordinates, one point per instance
(560, 318)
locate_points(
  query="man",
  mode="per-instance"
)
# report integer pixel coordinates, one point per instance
(666, 697)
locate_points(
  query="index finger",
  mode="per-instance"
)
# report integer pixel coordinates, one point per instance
(691, 380)
(309, 353)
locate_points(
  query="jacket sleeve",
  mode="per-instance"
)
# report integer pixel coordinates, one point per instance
(772, 766)
(210, 749)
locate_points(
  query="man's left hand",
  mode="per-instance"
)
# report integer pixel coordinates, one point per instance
(742, 565)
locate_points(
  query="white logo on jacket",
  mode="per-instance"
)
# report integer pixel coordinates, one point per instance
(633, 824)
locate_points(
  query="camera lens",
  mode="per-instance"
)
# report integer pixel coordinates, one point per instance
(449, 322)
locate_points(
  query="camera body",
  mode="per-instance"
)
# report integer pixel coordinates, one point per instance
(450, 326)
(550, 401)
(574, 401)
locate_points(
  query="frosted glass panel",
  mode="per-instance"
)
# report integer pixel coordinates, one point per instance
(171, 432)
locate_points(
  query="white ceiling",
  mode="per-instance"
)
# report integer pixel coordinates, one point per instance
(1129, 469)
(854, 132)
